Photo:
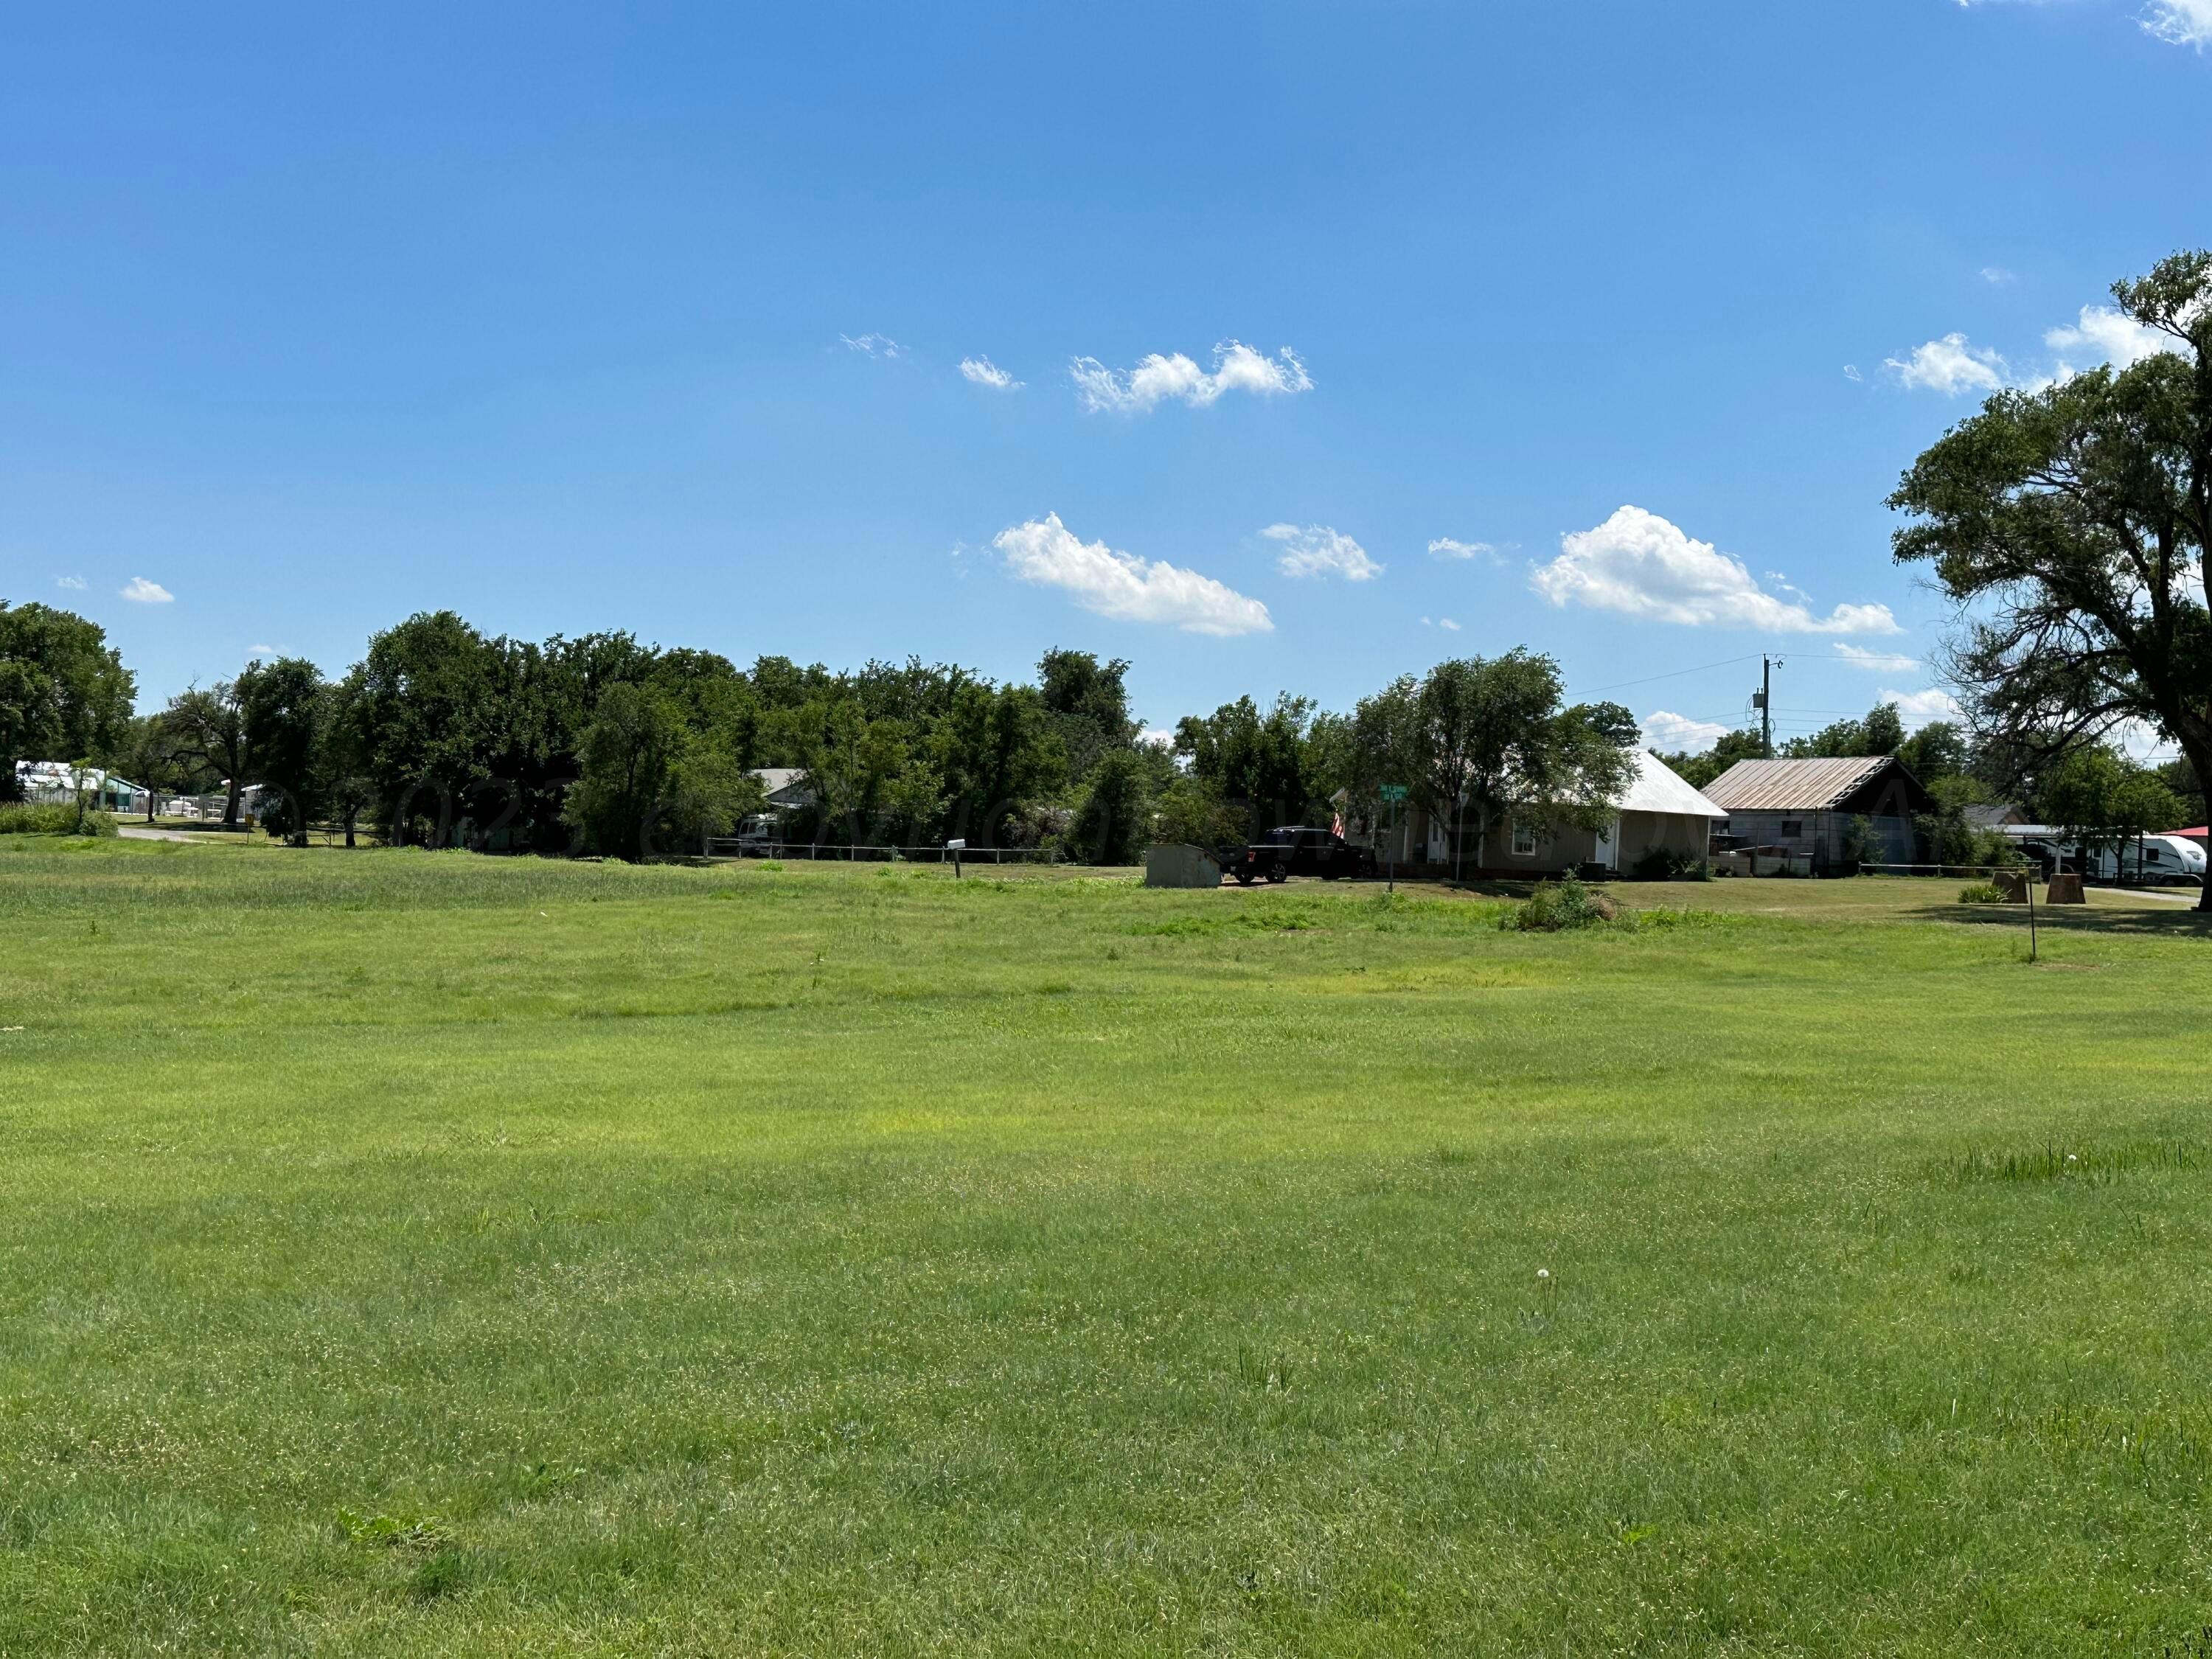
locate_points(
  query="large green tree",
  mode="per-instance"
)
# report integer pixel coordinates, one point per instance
(2072, 522)
(285, 709)
(1478, 737)
(628, 759)
(64, 693)
(1267, 761)
(2102, 798)
(212, 738)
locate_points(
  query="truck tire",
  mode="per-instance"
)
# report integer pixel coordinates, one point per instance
(1277, 872)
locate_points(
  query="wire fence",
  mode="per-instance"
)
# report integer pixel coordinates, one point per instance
(1939, 870)
(733, 847)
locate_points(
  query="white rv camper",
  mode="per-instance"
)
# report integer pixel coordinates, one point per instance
(2138, 861)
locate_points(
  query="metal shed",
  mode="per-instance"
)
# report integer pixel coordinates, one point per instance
(1807, 807)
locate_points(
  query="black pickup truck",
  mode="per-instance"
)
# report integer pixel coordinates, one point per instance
(1295, 850)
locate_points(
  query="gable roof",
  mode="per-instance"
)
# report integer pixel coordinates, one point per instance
(776, 779)
(1660, 788)
(1811, 786)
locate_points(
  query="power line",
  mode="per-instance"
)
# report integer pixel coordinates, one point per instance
(1677, 674)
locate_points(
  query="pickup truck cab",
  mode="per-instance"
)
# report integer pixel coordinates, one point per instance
(1296, 850)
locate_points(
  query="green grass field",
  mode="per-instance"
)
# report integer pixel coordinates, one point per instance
(407, 1253)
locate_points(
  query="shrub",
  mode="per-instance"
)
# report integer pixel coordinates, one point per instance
(1982, 892)
(24, 818)
(1557, 905)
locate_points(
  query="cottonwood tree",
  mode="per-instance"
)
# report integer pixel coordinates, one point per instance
(2071, 523)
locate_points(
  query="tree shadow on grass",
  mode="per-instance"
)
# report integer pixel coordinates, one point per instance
(2170, 922)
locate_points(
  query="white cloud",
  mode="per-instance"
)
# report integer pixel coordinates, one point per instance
(984, 372)
(1443, 547)
(74, 584)
(141, 591)
(1315, 550)
(1237, 367)
(1124, 587)
(1918, 708)
(265, 652)
(1875, 662)
(1852, 373)
(874, 345)
(2184, 22)
(2106, 336)
(1448, 625)
(1638, 564)
(1996, 276)
(1675, 734)
(1949, 366)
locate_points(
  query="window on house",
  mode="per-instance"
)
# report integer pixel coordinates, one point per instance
(1524, 841)
(1793, 827)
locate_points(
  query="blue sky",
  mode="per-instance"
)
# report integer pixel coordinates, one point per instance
(654, 318)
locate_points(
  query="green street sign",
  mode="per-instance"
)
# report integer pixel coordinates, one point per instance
(1393, 791)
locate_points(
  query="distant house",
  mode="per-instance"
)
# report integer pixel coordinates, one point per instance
(57, 781)
(1659, 810)
(1994, 817)
(785, 786)
(1807, 807)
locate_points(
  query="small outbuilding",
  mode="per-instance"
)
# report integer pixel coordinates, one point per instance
(1810, 808)
(1170, 864)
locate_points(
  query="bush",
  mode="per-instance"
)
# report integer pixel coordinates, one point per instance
(1557, 905)
(24, 818)
(1982, 892)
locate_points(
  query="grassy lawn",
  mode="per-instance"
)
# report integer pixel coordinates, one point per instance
(407, 1253)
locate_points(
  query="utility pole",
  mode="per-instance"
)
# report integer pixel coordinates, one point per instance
(1767, 708)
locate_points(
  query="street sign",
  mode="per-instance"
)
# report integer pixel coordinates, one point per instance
(1393, 791)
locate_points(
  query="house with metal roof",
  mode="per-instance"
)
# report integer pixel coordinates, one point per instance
(1810, 809)
(785, 786)
(1659, 810)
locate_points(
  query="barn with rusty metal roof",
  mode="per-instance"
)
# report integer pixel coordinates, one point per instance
(1810, 809)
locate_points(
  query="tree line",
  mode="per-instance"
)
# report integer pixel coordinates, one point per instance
(443, 735)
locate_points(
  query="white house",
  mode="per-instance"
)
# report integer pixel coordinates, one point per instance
(1659, 810)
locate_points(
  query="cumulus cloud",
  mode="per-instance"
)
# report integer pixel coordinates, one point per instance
(1674, 734)
(1443, 547)
(1852, 373)
(984, 372)
(1444, 623)
(1640, 565)
(1917, 709)
(2184, 22)
(141, 591)
(2106, 336)
(1949, 366)
(874, 345)
(1875, 662)
(1124, 587)
(1315, 550)
(1996, 276)
(1237, 367)
(76, 584)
